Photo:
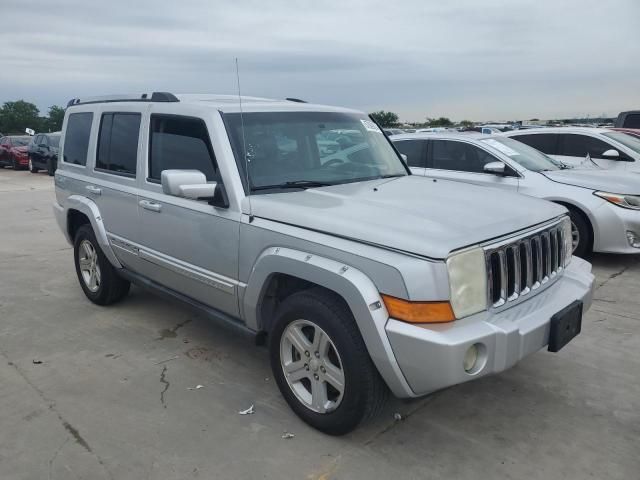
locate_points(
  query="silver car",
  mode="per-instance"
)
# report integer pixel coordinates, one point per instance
(362, 277)
(604, 206)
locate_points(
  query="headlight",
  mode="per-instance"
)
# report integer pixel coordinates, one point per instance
(568, 240)
(468, 282)
(624, 201)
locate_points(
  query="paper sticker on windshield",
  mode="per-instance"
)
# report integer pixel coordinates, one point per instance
(370, 126)
(501, 147)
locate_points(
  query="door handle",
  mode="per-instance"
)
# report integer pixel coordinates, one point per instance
(149, 205)
(94, 190)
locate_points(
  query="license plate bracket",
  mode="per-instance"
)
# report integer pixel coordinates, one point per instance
(565, 325)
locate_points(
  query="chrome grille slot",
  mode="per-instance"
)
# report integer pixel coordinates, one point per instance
(520, 267)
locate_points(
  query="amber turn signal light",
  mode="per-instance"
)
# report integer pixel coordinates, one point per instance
(418, 312)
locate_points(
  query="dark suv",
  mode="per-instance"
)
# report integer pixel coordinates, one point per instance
(43, 152)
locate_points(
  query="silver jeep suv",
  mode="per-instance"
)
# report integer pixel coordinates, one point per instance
(301, 224)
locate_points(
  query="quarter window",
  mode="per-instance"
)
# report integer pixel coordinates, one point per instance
(459, 156)
(581, 145)
(118, 143)
(632, 121)
(181, 143)
(414, 150)
(545, 142)
(76, 139)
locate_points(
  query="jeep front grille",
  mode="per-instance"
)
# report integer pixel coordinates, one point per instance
(520, 267)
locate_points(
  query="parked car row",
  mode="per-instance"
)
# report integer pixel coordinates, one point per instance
(35, 153)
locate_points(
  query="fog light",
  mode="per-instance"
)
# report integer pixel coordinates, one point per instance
(470, 358)
(633, 238)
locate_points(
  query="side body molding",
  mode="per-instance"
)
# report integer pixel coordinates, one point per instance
(90, 209)
(352, 285)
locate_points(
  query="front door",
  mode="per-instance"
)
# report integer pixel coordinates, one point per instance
(587, 151)
(187, 245)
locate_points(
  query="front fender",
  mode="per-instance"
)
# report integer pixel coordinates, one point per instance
(352, 285)
(90, 209)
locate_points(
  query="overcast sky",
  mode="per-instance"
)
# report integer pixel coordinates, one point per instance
(468, 59)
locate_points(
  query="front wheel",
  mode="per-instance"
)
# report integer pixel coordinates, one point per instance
(321, 364)
(51, 168)
(98, 278)
(580, 234)
(32, 169)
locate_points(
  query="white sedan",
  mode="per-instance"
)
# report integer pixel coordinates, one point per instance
(600, 147)
(604, 205)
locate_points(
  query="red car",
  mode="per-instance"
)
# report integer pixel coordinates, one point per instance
(630, 131)
(14, 151)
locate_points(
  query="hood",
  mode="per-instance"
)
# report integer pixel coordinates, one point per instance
(593, 179)
(412, 213)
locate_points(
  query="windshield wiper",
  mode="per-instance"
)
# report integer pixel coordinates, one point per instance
(293, 184)
(393, 175)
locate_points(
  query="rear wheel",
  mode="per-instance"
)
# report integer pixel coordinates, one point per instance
(98, 278)
(321, 364)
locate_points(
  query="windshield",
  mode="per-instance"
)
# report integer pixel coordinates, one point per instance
(527, 156)
(291, 149)
(54, 140)
(20, 141)
(625, 139)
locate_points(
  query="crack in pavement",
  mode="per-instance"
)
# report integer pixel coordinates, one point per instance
(612, 276)
(55, 455)
(71, 430)
(172, 332)
(164, 381)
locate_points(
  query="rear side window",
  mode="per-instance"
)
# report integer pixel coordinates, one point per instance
(181, 143)
(118, 143)
(545, 142)
(459, 156)
(414, 150)
(632, 121)
(76, 139)
(581, 145)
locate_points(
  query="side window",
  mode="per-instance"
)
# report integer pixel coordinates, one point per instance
(76, 141)
(458, 156)
(181, 143)
(545, 142)
(118, 143)
(579, 145)
(632, 121)
(414, 150)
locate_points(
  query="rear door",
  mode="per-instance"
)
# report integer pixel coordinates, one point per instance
(115, 149)
(464, 162)
(576, 149)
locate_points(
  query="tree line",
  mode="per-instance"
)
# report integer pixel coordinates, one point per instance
(17, 116)
(391, 119)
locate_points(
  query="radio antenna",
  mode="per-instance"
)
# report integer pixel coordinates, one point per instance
(244, 145)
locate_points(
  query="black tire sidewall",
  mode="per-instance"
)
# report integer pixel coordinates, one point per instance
(85, 232)
(356, 368)
(584, 245)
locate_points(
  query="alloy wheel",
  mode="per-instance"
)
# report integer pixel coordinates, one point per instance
(575, 236)
(89, 268)
(312, 366)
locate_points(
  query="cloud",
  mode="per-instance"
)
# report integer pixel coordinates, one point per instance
(479, 60)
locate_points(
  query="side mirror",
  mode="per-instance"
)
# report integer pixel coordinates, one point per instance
(404, 157)
(187, 184)
(497, 168)
(611, 153)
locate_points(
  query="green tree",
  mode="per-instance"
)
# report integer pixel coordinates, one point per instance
(385, 119)
(466, 123)
(439, 122)
(16, 116)
(53, 122)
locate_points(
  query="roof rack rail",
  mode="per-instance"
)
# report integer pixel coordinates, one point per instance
(144, 97)
(297, 100)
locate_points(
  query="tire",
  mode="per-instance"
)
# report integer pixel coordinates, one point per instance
(581, 231)
(32, 169)
(14, 163)
(51, 170)
(363, 391)
(104, 286)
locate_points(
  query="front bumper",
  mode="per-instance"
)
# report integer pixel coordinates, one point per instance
(431, 357)
(612, 225)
